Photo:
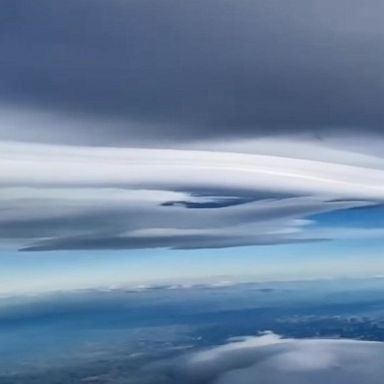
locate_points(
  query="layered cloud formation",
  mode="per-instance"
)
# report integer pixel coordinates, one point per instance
(270, 359)
(61, 197)
(194, 124)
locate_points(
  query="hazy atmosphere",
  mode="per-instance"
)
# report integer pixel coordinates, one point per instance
(161, 158)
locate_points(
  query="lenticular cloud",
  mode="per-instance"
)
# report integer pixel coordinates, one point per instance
(66, 197)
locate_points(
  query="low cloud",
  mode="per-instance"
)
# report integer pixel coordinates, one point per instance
(271, 359)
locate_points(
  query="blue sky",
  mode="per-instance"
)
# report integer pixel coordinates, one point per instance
(341, 243)
(32, 273)
(346, 256)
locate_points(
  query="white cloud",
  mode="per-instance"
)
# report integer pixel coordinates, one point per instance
(270, 359)
(66, 197)
(35, 164)
(363, 151)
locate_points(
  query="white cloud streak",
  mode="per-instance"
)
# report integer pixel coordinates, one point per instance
(66, 197)
(47, 164)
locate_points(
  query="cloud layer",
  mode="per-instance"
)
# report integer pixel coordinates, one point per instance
(61, 197)
(270, 359)
(176, 71)
(191, 124)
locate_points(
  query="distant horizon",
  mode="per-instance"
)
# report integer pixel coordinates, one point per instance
(177, 177)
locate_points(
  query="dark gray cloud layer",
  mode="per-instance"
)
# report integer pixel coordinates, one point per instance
(193, 69)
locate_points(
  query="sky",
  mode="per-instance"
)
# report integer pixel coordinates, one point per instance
(147, 141)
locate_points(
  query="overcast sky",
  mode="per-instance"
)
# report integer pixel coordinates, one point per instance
(195, 69)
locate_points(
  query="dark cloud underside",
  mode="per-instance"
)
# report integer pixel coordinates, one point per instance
(194, 69)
